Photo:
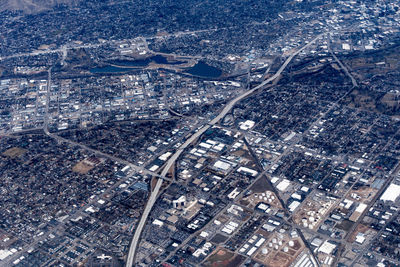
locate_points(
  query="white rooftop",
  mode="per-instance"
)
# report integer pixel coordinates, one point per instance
(327, 247)
(391, 193)
(247, 170)
(222, 165)
(247, 125)
(4, 254)
(283, 185)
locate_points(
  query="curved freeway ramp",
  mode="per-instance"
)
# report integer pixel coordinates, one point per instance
(171, 161)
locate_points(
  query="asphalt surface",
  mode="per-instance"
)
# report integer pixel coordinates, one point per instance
(171, 161)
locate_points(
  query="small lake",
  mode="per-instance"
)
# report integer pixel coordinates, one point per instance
(202, 69)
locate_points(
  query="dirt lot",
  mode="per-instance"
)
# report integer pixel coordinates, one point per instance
(361, 228)
(14, 152)
(223, 258)
(82, 167)
(366, 194)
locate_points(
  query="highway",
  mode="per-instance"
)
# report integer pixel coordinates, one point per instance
(171, 161)
(230, 105)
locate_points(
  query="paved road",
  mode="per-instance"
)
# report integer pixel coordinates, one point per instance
(371, 243)
(50, 51)
(388, 181)
(46, 115)
(96, 152)
(171, 161)
(59, 228)
(137, 168)
(272, 78)
(154, 194)
(344, 68)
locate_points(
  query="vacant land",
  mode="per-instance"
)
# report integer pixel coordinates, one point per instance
(14, 152)
(223, 258)
(82, 167)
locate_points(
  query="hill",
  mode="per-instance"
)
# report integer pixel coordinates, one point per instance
(31, 6)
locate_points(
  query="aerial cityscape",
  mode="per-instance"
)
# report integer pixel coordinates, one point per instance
(239, 133)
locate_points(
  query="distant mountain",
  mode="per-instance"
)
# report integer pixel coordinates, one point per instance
(32, 6)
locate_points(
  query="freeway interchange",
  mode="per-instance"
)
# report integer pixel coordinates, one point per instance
(154, 194)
